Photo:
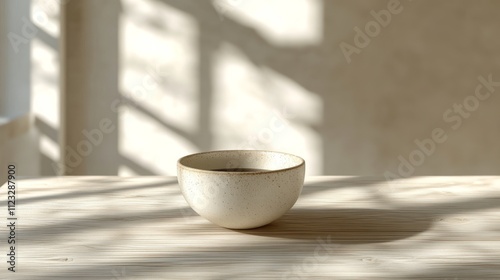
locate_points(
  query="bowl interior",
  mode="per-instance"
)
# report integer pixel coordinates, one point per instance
(239, 160)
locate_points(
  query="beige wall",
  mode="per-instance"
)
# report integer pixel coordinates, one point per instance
(18, 139)
(200, 75)
(398, 88)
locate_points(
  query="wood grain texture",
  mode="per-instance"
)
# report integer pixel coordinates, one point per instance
(341, 228)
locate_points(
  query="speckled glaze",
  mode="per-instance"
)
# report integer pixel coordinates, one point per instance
(241, 200)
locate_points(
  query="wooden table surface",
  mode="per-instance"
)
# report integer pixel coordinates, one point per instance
(340, 228)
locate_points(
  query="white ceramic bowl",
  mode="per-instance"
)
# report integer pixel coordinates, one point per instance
(240, 199)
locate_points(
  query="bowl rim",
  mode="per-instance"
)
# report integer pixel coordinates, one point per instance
(179, 164)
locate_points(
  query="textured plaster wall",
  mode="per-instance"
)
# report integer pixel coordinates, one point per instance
(245, 63)
(398, 87)
(201, 75)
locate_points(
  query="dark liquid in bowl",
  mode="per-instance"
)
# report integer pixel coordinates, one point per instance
(240, 170)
